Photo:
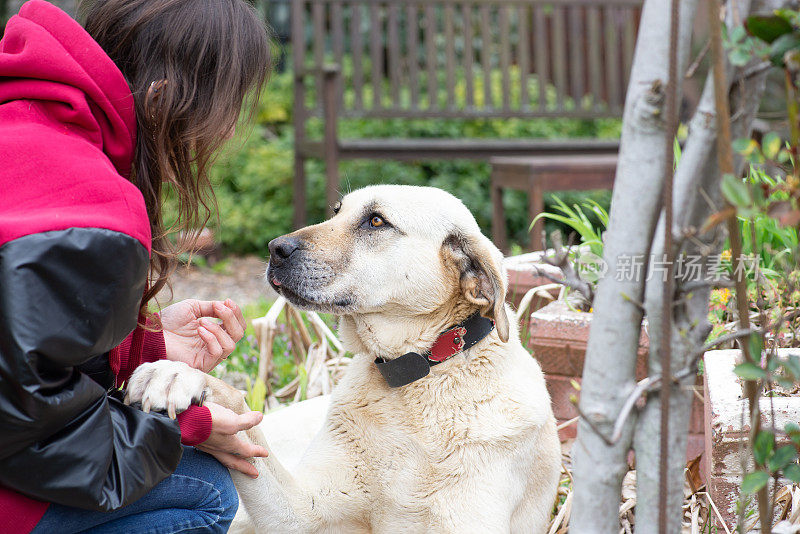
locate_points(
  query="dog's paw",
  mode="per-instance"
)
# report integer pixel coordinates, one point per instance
(165, 386)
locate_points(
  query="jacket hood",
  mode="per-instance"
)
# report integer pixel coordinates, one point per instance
(47, 56)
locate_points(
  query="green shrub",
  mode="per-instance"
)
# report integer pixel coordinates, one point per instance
(253, 186)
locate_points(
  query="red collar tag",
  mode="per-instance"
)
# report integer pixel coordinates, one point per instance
(450, 343)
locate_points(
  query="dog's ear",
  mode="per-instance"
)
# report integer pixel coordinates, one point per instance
(482, 277)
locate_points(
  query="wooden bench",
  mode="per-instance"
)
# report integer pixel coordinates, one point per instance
(454, 59)
(537, 174)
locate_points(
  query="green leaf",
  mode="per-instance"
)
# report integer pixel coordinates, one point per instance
(792, 365)
(739, 57)
(781, 45)
(735, 191)
(256, 394)
(763, 446)
(767, 27)
(770, 145)
(784, 382)
(302, 375)
(792, 472)
(738, 34)
(756, 345)
(772, 365)
(749, 371)
(791, 428)
(755, 157)
(754, 481)
(741, 144)
(782, 457)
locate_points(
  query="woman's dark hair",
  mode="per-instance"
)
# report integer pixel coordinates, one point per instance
(192, 66)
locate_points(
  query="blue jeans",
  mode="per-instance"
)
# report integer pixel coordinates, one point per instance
(198, 497)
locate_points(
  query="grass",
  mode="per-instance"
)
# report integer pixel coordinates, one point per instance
(244, 358)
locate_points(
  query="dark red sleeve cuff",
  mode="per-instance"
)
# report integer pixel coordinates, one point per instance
(18, 513)
(195, 425)
(140, 346)
(153, 346)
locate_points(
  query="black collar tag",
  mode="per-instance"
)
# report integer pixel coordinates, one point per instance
(412, 366)
(404, 369)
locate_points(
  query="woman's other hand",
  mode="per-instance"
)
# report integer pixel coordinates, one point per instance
(193, 336)
(223, 444)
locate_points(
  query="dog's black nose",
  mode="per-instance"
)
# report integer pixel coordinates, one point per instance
(282, 247)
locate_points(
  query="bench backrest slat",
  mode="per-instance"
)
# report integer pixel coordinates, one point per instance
(486, 54)
(576, 53)
(393, 44)
(469, 55)
(505, 55)
(523, 53)
(542, 62)
(429, 23)
(318, 16)
(449, 55)
(467, 58)
(376, 52)
(357, 52)
(337, 39)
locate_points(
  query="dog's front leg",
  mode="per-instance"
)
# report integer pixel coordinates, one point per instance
(324, 495)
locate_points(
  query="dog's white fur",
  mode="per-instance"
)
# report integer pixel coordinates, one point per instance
(472, 447)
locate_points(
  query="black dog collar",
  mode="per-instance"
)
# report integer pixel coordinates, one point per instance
(412, 366)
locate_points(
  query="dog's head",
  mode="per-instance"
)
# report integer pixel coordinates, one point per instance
(392, 249)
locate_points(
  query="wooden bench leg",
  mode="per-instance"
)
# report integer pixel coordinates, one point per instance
(331, 179)
(535, 207)
(299, 219)
(330, 140)
(499, 235)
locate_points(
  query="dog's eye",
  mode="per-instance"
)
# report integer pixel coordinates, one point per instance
(376, 221)
(337, 207)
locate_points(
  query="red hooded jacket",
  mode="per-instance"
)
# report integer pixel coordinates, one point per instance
(74, 254)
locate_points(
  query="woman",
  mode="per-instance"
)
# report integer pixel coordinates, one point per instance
(93, 123)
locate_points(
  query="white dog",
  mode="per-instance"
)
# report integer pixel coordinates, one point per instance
(442, 422)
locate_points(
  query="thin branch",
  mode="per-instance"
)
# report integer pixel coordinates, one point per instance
(691, 367)
(572, 282)
(671, 112)
(699, 59)
(561, 260)
(708, 199)
(635, 302)
(643, 386)
(753, 71)
(653, 383)
(593, 426)
(702, 284)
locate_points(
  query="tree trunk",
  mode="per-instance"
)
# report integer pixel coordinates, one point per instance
(608, 375)
(697, 182)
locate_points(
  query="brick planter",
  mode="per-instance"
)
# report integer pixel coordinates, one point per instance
(523, 276)
(557, 338)
(726, 423)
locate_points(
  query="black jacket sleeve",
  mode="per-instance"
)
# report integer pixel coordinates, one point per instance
(66, 297)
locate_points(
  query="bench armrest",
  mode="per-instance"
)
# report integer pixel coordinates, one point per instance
(328, 68)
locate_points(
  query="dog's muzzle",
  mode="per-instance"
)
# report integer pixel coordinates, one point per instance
(281, 250)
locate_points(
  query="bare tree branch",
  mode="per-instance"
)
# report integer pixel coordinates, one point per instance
(561, 260)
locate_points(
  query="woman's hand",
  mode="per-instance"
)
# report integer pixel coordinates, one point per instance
(193, 336)
(223, 444)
